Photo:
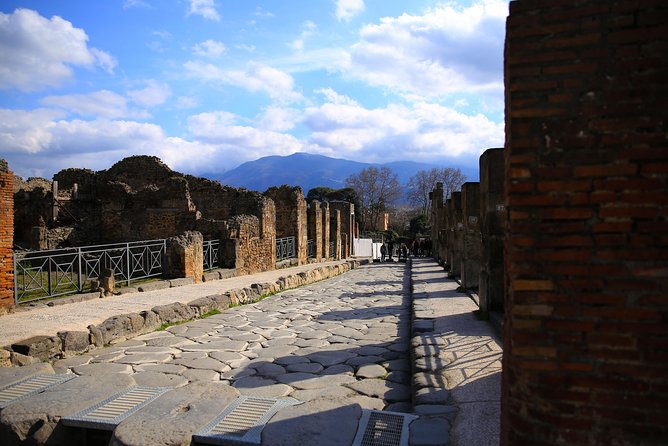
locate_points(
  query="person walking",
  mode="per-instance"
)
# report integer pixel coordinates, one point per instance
(383, 252)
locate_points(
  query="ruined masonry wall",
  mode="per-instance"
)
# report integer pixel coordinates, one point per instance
(6, 237)
(586, 345)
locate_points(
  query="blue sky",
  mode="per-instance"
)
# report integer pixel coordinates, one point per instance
(209, 84)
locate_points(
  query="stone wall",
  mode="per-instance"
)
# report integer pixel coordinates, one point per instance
(291, 216)
(185, 256)
(6, 237)
(455, 234)
(335, 231)
(586, 346)
(246, 249)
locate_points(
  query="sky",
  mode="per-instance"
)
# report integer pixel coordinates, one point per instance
(209, 84)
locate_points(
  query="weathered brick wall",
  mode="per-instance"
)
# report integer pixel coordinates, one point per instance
(586, 338)
(185, 256)
(6, 237)
(492, 215)
(471, 241)
(291, 216)
(315, 227)
(245, 249)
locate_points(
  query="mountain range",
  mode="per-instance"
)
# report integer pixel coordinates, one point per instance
(309, 171)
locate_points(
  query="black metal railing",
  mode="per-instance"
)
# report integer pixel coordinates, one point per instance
(285, 248)
(211, 251)
(310, 249)
(45, 274)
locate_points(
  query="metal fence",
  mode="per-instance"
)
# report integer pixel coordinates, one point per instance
(310, 249)
(332, 247)
(211, 253)
(285, 248)
(45, 274)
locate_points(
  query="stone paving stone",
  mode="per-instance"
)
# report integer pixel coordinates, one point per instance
(280, 342)
(233, 375)
(171, 341)
(9, 375)
(307, 367)
(161, 368)
(400, 365)
(363, 360)
(145, 358)
(329, 358)
(64, 364)
(151, 349)
(306, 343)
(34, 420)
(228, 346)
(201, 375)
(371, 371)
(304, 381)
(269, 369)
(175, 416)
(338, 369)
(325, 392)
(378, 388)
(203, 364)
(156, 379)
(276, 352)
(101, 369)
(399, 377)
(108, 357)
(289, 360)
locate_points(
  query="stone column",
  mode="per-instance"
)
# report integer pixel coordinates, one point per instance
(455, 233)
(325, 230)
(335, 232)
(315, 227)
(185, 256)
(471, 239)
(492, 215)
(6, 237)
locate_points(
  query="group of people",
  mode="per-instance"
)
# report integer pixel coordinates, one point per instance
(418, 248)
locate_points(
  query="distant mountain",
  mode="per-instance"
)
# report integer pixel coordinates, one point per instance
(309, 171)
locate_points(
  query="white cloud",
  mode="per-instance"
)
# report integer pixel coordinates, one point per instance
(277, 84)
(245, 47)
(444, 51)
(209, 48)
(155, 93)
(347, 9)
(205, 8)
(279, 119)
(240, 142)
(333, 97)
(261, 12)
(36, 53)
(40, 143)
(184, 102)
(426, 131)
(102, 103)
(135, 4)
(307, 31)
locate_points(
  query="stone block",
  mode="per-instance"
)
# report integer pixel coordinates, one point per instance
(175, 312)
(181, 282)
(117, 328)
(185, 256)
(42, 347)
(211, 276)
(74, 341)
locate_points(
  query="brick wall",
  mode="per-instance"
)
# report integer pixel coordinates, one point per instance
(586, 338)
(291, 216)
(6, 237)
(471, 241)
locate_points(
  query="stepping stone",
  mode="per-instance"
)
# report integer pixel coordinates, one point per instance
(371, 371)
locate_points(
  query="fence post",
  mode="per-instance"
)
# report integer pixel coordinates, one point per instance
(79, 270)
(127, 261)
(16, 280)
